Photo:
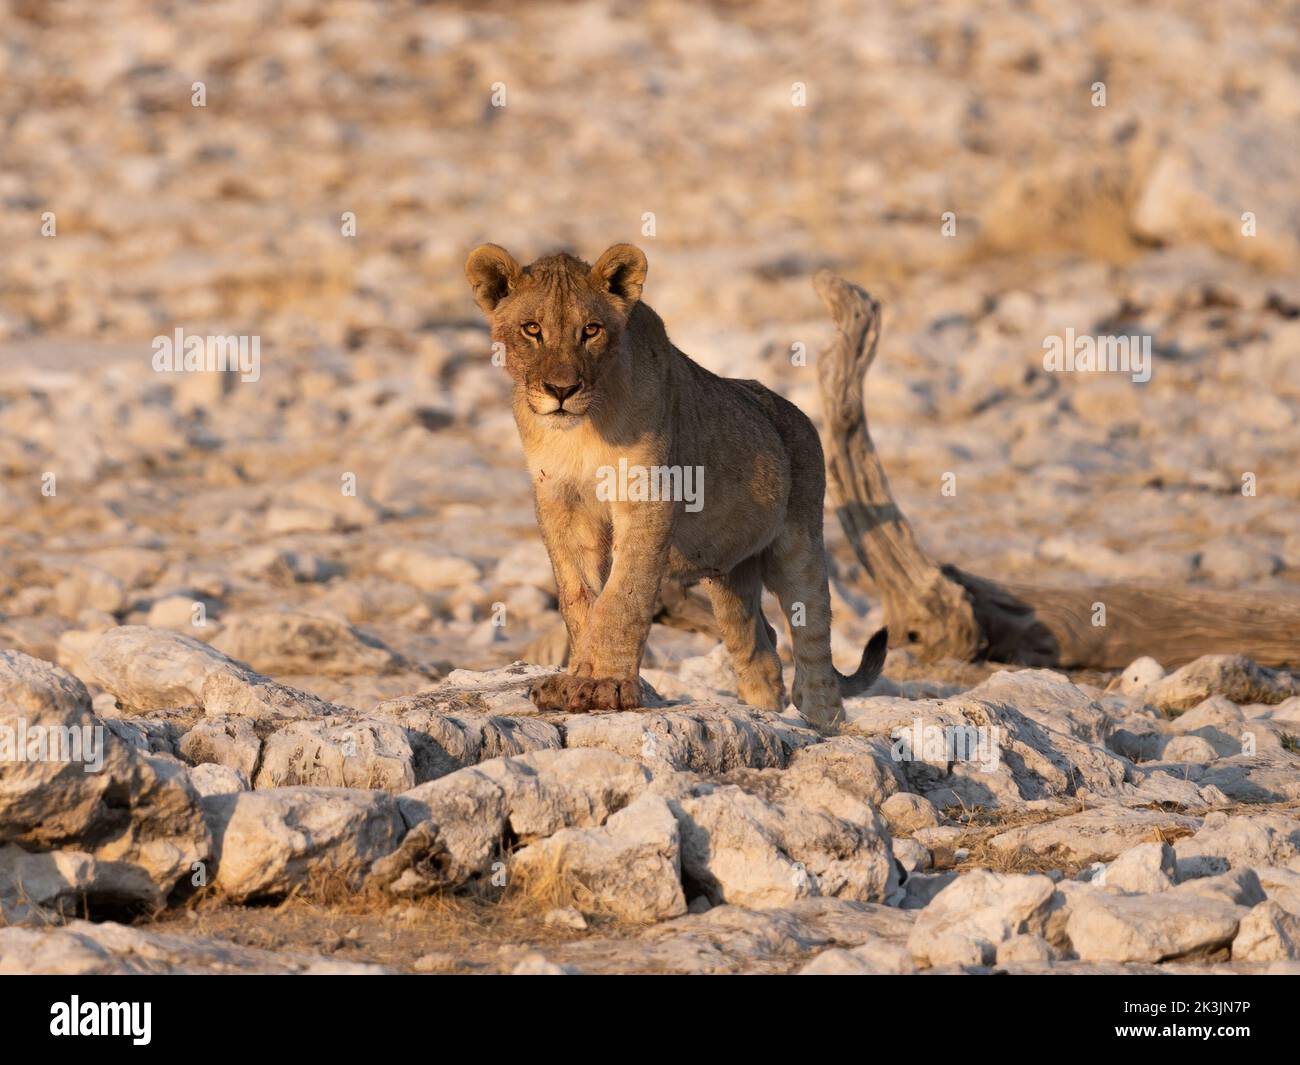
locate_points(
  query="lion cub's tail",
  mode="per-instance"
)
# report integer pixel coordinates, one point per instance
(873, 661)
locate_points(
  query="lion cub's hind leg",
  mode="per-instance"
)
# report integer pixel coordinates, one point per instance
(794, 568)
(750, 640)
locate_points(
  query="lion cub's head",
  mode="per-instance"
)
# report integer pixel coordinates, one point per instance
(559, 319)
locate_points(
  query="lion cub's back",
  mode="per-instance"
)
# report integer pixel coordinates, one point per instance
(795, 428)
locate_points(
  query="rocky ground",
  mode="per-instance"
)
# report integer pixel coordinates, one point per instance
(1153, 826)
(291, 604)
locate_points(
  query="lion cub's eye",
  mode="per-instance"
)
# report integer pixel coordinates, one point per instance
(591, 329)
(532, 329)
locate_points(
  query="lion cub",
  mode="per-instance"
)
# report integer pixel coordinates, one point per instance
(645, 465)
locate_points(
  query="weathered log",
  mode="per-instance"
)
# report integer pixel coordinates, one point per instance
(941, 611)
(924, 608)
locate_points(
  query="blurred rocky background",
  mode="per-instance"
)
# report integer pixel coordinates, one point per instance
(997, 173)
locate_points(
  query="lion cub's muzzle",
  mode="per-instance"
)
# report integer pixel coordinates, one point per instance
(562, 400)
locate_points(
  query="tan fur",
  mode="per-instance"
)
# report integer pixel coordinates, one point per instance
(635, 397)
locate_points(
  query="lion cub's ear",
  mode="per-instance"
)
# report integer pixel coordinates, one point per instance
(492, 273)
(621, 272)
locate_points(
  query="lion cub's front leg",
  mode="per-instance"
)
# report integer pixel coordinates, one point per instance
(607, 636)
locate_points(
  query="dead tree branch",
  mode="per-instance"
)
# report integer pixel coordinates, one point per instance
(942, 611)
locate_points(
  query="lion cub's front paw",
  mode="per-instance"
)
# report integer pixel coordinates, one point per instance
(585, 695)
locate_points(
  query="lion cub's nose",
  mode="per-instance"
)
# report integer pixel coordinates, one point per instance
(561, 392)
